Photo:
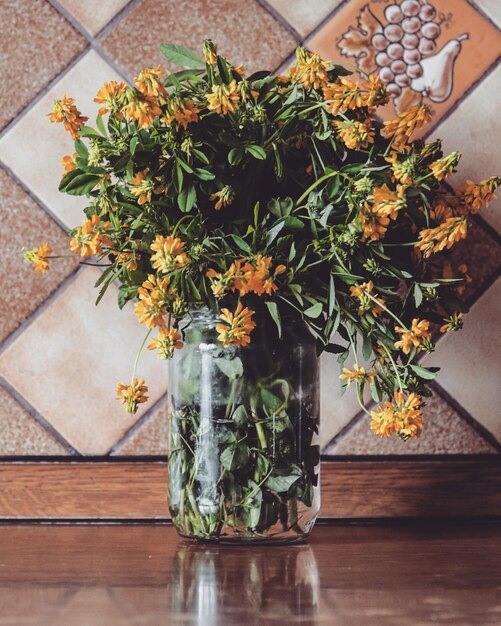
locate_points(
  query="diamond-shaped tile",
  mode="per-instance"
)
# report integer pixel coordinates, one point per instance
(444, 432)
(304, 16)
(474, 129)
(150, 437)
(492, 8)
(93, 15)
(33, 147)
(457, 46)
(24, 223)
(21, 433)
(470, 361)
(37, 43)
(68, 361)
(244, 31)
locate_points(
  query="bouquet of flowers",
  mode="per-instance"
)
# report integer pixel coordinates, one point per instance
(283, 194)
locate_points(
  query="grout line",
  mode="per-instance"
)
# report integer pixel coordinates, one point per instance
(115, 449)
(38, 417)
(466, 416)
(71, 19)
(280, 19)
(326, 19)
(473, 3)
(115, 19)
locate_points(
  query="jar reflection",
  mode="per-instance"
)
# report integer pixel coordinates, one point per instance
(219, 587)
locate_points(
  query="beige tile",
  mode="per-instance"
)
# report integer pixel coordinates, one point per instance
(150, 438)
(492, 8)
(245, 32)
(470, 361)
(33, 148)
(37, 43)
(444, 432)
(93, 15)
(24, 224)
(68, 361)
(21, 434)
(304, 16)
(474, 129)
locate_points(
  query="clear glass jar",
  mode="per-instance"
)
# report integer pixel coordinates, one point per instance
(244, 455)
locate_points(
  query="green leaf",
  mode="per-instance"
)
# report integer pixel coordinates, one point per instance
(240, 416)
(101, 126)
(418, 294)
(181, 56)
(232, 368)
(241, 243)
(335, 348)
(178, 77)
(235, 456)
(271, 402)
(133, 145)
(79, 185)
(280, 207)
(87, 131)
(235, 156)
(81, 149)
(187, 198)
(280, 484)
(203, 174)
(332, 296)
(314, 311)
(257, 152)
(423, 373)
(275, 314)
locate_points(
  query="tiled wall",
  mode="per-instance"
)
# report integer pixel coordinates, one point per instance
(60, 356)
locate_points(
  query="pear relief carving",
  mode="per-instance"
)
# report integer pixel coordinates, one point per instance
(403, 51)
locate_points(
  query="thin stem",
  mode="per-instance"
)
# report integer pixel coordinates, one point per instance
(386, 309)
(136, 361)
(395, 369)
(315, 185)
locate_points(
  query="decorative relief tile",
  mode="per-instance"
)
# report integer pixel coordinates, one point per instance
(23, 290)
(444, 432)
(21, 434)
(93, 15)
(470, 361)
(245, 32)
(34, 147)
(150, 438)
(474, 129)
(68, 361)
(304, 16)
(37, 44)
(433, 51)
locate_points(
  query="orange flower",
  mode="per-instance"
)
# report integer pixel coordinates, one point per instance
(141, 109)
(167, 342)
(344, 95)
(403, 170)
(169, 254)
(357, 374)
(445, 235)
(237, 327)
(233, 279)
(143, 187)
(132, 395)
(38, 257)
(65, 111)
(445, 166)
(355, 135)
(387, 202)
(402, 127)
(452, 323)
(462, 269)
(403, 417)
(111, 96)
(414, 337)
(363, 293)
(153, 296)
(224, 197)
(68, 163)
(440, 211)
(310, 70)
(476, 196)
(88, 240)
(183, 112)
(149, 84)
(224, 98)
(257, 276)
(372, 222)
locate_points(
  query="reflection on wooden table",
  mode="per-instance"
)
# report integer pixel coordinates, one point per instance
(346, 575)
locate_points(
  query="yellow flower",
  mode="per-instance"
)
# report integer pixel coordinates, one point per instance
(132, 395)
(38, 257)
(237, 326)
(167, 342)
(358, 375)
(88, 240)
(65, 111)
(452, 323)
(414, 337)
(224, 197)
(209, 52)
(183, 113)
(403, 417)
(232, 279)
(153, 296)
(372, 222)
(143, 187)
(169, 254)
(402, 127)
(476, 196)
(445, 166)
(129, 259)
(387, 202)
(440, 211)
(258, 278)
(403, 170)
(355, 135)
(149, 84)
(141, 109)
(224, 98)
(310, 70)
(367, 303)
(445, 235)
(68, 163)
(111, 96)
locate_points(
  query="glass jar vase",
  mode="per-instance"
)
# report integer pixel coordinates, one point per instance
(243, 437)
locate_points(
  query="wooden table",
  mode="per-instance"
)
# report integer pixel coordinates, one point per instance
(142, 575)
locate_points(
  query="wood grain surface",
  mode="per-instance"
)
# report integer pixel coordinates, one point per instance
(357, 489)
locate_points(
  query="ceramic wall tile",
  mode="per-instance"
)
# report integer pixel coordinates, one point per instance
(449, 44)
(149, 437)
(68, 362)
(304, 16)
(245, 32)
(33, 148)
(492, 8)
(23, 290)
(444, 432)
(37, 43)
(93, 15)
(470, 361)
